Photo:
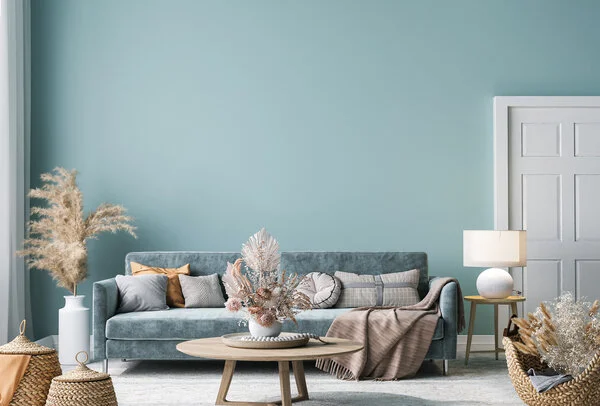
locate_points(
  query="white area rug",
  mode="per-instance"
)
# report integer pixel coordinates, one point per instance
(195, 383)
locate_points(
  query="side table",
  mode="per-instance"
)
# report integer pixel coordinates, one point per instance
(475, 300)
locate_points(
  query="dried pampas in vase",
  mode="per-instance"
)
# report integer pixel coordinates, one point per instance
(59, 230)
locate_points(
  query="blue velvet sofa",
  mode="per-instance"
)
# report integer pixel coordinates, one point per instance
(154, 335)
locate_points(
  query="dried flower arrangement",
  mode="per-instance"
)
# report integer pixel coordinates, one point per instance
(265, 294)
(565, 333)
(58, 231)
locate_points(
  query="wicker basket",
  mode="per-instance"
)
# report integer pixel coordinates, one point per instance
(583, 390)
(82, 387)
(43, 366)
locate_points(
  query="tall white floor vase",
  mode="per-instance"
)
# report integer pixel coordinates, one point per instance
(73, 329)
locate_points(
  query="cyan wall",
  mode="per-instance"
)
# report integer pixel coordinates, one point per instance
(338, 125)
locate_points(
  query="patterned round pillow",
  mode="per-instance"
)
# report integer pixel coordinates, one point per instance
(322, 289)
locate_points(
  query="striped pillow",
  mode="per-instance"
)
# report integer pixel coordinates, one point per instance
(389, 289)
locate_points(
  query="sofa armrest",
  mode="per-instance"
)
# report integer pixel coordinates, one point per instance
(449, 310)
(105, 303)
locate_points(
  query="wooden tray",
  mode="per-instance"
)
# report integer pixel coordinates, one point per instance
(234, 340)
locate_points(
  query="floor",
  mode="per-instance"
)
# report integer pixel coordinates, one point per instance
(193, 383)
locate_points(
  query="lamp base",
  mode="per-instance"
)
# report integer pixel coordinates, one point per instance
(494, 283)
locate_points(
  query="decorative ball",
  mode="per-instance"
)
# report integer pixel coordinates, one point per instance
(495, 283)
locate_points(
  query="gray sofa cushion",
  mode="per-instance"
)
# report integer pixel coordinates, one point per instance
(188, 324)
(142, 293)
(202, 291)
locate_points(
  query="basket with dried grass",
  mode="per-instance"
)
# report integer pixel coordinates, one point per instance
(565, 336)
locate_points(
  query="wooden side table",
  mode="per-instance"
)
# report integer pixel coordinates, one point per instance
(475, 300)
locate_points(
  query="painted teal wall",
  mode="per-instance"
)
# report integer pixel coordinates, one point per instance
(338, 125)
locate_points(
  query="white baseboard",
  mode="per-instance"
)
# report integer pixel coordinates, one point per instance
(48, 341)
(479, 342)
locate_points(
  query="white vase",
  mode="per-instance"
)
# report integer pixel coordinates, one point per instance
(256, 330)
(73, 329)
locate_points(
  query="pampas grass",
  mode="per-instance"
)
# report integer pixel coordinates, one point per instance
(59, 230)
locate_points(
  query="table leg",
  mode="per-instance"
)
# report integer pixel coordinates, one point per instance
(514, 308)
(470, 333)
(284, 382)
(496, 331)
(225, 382)
(300, 380)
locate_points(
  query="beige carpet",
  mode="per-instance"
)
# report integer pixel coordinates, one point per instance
(194, 383)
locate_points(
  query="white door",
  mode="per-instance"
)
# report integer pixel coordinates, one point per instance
(552, 180)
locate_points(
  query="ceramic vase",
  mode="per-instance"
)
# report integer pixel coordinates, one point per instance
(256, 330)
(73, 329)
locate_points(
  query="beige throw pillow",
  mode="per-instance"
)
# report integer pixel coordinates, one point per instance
(390, 289)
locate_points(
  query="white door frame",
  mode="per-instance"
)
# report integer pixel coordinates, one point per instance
(502, 105)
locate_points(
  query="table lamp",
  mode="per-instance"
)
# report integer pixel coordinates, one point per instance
(494, 248)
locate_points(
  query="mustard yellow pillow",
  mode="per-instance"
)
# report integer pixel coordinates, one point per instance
(174, 293)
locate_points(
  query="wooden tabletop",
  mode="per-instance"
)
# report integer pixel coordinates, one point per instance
(506, 300)
(214, 348)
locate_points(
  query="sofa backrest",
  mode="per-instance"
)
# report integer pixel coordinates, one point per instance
(204, 263)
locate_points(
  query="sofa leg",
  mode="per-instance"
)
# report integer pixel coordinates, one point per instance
(445, 367)
(105, 365)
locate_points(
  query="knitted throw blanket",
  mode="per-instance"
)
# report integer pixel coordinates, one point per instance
(396, 339)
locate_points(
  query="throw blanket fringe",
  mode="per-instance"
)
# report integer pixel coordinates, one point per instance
(335, 369)
(400, 336)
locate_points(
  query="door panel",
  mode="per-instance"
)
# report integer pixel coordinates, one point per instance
(587, 203)
(544, 280)
(588, 278)
(542, 207)
(587, 139)
(540, 140)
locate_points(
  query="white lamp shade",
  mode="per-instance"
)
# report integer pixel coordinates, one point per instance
(494, 248)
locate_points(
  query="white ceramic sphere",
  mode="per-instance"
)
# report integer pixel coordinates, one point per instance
(494, 283)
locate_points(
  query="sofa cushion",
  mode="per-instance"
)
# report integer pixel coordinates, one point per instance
(174, 294)
(202, 291)
(188, 324)
(322, 289)
(390, 289)
(142, 293)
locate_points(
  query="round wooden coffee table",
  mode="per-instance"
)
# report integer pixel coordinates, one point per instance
(214, 348)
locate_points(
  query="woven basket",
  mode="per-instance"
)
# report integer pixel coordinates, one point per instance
(82, 387)
(43, 366)
(583, 390)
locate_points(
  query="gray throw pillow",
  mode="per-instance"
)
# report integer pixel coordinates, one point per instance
(388, 289)
(142, 293)
(202, 291)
